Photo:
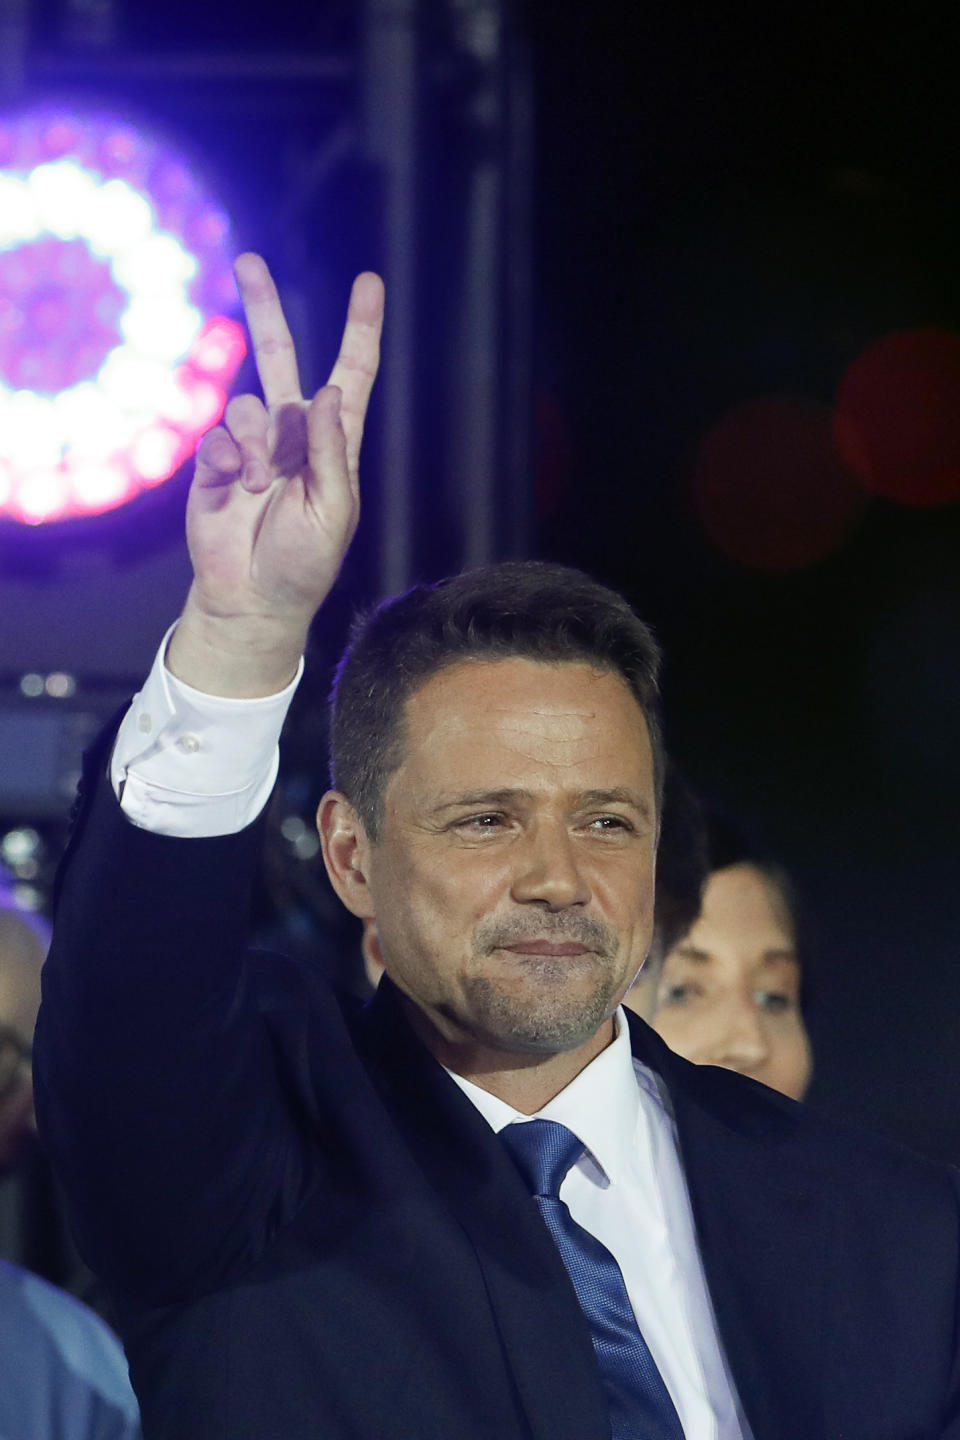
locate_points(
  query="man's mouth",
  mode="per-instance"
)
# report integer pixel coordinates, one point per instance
(557, 948)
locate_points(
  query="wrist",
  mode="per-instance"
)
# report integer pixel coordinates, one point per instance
(239, 656)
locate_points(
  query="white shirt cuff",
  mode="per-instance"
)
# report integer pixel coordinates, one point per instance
(190, 764)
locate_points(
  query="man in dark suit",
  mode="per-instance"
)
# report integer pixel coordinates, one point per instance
(486, 1206)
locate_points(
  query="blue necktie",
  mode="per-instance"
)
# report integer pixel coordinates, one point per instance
(640, 1405)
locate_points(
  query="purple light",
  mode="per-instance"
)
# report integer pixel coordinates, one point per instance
(115, 349)
(47, 343)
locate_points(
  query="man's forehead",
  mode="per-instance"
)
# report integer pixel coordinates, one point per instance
(544, 688)
(565, 713)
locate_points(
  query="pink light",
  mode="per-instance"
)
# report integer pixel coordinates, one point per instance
(120, 146)
(207, 403)
(59, 138)
(102, 388)
(199, 402)
(218, 349)
(211, 229)
(158, 453)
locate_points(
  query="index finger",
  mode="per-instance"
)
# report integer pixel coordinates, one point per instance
(272, 344)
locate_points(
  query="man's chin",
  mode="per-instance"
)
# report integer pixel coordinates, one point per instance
(523, 1024)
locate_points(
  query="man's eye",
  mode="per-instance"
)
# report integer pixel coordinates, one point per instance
(480, 822)
(611, 823)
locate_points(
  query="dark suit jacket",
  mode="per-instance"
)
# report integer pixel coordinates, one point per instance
(310, 1232)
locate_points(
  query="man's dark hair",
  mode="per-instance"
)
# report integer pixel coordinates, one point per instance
(527, 609)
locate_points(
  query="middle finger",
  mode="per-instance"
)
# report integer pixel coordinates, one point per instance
(272, 343)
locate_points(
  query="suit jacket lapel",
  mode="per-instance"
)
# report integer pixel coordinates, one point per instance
(466, 1164)
(760, 1212)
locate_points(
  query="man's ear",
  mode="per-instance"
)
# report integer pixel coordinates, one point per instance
(346, 852)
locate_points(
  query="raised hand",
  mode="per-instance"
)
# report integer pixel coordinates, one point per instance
(275, 499)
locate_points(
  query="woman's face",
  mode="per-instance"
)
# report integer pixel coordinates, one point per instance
(729, 992)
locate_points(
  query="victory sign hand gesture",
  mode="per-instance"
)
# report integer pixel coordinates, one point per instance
(275, 499)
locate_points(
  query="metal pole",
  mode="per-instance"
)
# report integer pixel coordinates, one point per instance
(489, 441)
(390, 97)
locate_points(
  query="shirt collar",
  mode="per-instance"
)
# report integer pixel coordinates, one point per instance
(599, 1105)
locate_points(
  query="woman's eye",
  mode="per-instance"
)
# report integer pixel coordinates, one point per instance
(676, 995)
(775, 1002)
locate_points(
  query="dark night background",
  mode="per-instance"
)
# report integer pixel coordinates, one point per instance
(730, 210)
(727, 210)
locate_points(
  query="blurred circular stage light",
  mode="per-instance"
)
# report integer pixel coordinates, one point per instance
(770, 488)
(897, 417)
(117, 342)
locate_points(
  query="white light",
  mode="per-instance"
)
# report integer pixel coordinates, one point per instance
(173, 401)
(162, 329)
(19, 221)
(64, 195)
(119, 218)
(92, 445)
(32, 434)
(133, 382)
(18, 846)
(42, 493)
(96, 425)
(156, 451)
(60, 685)
(31, 684)
(156, 265)
(98, 485)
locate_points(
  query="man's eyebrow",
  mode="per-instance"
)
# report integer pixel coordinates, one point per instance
(481, 797)
(619, 795)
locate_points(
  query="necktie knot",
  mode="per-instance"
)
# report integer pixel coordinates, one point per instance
(543, 1151)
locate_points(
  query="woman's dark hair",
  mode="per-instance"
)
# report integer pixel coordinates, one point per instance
(729, 844)
(683, 863)
(548, 613)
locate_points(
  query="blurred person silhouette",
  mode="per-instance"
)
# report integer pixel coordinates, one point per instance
(63, 1375)
(34, 1232)
(728, 986)
(22, 952)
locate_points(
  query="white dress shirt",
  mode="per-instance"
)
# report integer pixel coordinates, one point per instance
(629, 1191)
(190, 764)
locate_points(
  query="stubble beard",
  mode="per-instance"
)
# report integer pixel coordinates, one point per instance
(560, 1001)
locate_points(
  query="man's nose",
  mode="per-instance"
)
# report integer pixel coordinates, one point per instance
(549, 869)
